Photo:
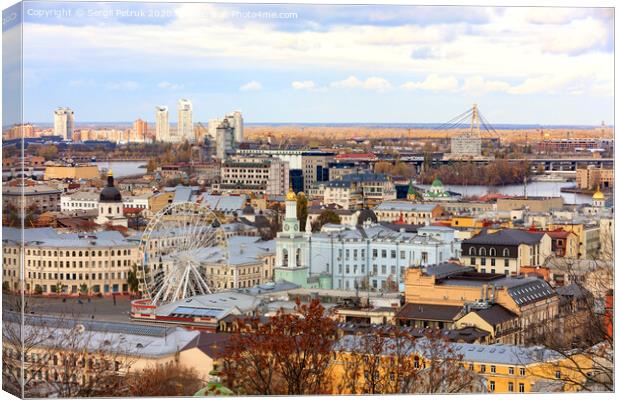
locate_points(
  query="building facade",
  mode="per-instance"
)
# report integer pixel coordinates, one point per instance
(162, 124)
(185, 124)
(506, 251)
(69, 264)
(64, 123)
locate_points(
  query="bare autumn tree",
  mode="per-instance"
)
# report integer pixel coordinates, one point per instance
(289, 354)
(163, 380)
(443, 370)
(582, 338)
(55, 356)
(393, 361)
(380, 362)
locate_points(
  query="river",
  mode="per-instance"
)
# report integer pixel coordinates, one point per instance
(127, 168)
(121, 169)
(546, 189)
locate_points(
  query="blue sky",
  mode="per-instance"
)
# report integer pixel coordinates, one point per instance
(117, 61)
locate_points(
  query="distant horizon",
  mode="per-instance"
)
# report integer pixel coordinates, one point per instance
(506, 125)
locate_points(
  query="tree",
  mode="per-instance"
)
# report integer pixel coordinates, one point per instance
(54, 354)
(393, 361)
(326, 217)
(163, 380)
(49, 152)
(302, 211)
(151, 166)
(582, 339)
(289, 354)
(133, 282)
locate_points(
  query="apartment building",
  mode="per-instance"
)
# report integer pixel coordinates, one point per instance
(68, 263)
(359, 190)
(506, 251)
(265, 176)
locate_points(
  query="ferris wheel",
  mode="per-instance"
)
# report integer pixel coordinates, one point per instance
(174, 244)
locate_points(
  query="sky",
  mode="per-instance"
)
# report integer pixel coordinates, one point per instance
(304, 63)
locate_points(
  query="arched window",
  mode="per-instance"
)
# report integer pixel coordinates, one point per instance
(298, 257)
(472, 251)
(284, 258)
(109, 210)
(505, 253)
(483, 251)
(492, 251)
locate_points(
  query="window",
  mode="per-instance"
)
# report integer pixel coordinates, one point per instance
(506, 262)
(482, 251)
(558, 375)
(521, 388)
(483, 261)
(511, 387)
(505, 253)
(472, 251)
(492, 262)
(492, 252)
(483, 368)
(472, 261)
(522, 371)
(511, 371)
(493, 368)
(491, 386)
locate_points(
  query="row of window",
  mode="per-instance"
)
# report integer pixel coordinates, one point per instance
(483, 261)
(76, 276)
(78, 264)
(78, 253)
(492, 252)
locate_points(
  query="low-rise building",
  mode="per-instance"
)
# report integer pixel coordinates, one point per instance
(506, 250)
(532, 203)
(359, 190)
(37, 197)
(79, 201)
(593, 177)
(70, 263)
(408, 212)
(265, 176)
(530, 298)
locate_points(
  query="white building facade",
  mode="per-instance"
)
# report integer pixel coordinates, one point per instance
(162, 124)
(185, 124)
(64, 123)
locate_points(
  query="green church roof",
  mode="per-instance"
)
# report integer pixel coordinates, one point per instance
(437, 183)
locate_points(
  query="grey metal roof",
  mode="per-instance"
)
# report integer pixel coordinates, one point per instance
(48, 237)
(508, 237)
(495, 314)
(405, 206)
(476, 353)
(124, 338)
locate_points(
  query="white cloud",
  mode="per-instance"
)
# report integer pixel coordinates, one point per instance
(479, 85)
(168, 85)
(584, 35)
(303, 85)
(123, 86)
(372, 83)
(433, 82)
(251, 86)
(516, 45)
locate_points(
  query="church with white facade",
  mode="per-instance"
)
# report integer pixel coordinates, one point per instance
(370, 255)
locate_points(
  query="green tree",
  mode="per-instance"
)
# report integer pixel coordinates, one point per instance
(132, 279)
(302, 210)
(326, 217)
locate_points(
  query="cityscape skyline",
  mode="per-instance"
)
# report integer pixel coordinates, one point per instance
(410, 63)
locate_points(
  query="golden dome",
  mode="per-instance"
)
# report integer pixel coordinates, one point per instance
(598, 195)
(110, 172)
(291, 195)
(301, 194)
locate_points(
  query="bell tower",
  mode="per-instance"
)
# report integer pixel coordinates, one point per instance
(291, 247)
